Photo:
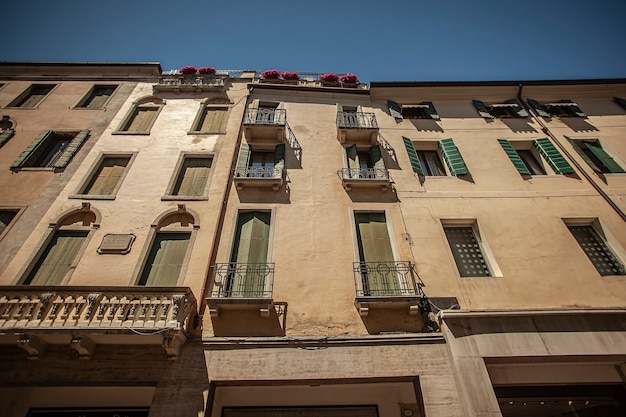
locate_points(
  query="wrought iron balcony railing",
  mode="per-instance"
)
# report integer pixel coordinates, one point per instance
(364, 174)
(242, 280)
(26, 307)
(356, 120)
(386, 279)
(265, 116)
(259, 172)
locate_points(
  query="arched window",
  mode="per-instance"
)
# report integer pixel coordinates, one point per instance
(141, 117)
(212, 116)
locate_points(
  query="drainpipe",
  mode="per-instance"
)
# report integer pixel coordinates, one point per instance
(222, 213)
(580, 169)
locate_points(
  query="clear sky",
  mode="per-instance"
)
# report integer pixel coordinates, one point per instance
(401, 40)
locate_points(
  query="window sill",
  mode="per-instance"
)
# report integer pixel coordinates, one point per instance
(92, 196)
(49, 169)
(123, 132)
(184, 198)
(197, 132)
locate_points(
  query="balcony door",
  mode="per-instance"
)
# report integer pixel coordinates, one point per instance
(378, 268)
(249, 255)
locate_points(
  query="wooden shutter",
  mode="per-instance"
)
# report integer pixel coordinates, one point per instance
(431, 111)
(353, 161)
(518, 110)
(394, 109)
(34, 145)
(99, 97)
(482, 109)
(554, 157)
(410, 150)
(251, 247)
(71, 149)
(107, 177)
(378, 162)
(214, 120)
(620, 101)
(606, 159)
(142, 119)
(453, 157)
(243, 159)
(539, 109)
(165, 260)
(6, 135)
(193, 177)
(57, 259)
(514, 157)
(279, 160)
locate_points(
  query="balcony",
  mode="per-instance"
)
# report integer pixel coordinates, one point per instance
(265, 123)
(188, 83)
(241, 286)
(357, 127)
(83, 317)
(387, 284)
(364, 178)
(259, 177)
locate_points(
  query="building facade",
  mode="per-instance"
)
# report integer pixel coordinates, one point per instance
(232, 245)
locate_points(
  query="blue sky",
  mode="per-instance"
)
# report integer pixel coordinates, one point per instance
(402, 40)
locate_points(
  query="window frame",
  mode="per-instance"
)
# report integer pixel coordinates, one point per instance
(152, 102)
(507, 109)
(93, 170)
(18, 212)
(528, 145)
(594, 162)
(414, 146)
(81, 103)
(232, 234)
(216, 103)
(486, 251)
(61, 161)
(27, 92)
(169, 196)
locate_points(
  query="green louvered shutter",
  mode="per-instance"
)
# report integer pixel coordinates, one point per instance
(71, 149)
(482, 109)
(394, 109)
(606, 159)
(193, 177)
(6, 135)
(431, 110)
(353, 161)
(57, 259)
(519, 110)
(584, 156)
(410, 150)
(541, 111)
(165, 259)
(573, 110)
(514, 157)
(453, 157)
(620, 101)
(251, 247)
(279, 160)
(243, 159)
(553, 156)
(377, 160)
(39, 140)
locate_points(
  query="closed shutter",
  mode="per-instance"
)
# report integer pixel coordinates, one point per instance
(214, 120)
(165, 260)
(6, 135)
(107, 177)
(243, 159)
(620, 101)
(514, 157)
(99, 97)
(539, 109)
(71, 149)
(375, 248)
(585, 157)
(279, 160)
(554, 157)
(482, 109)
(518, 110)
(378, 162)
(57, 259)
(193, 177)
(606, 159)
(394, 109)
(452, 156)
(431, 110)
(251, 247)
(38, 142)
(410, 150)
(142, 120)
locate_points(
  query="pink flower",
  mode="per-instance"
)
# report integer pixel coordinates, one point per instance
(207, 70)
(331, 78)
(270, 75)
(291, 75)
(189, 69)
(349, 78)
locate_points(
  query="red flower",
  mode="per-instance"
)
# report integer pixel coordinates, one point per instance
(331, 78)
(349, 78)
(189, 69)
(270, 75)
(207, 70)
(291, 75)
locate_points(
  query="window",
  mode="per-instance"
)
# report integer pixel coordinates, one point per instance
(260, 161)
(597, 250)
(561, 108)
(51, 149)
(426, 157)
(377, 264)
(467, 251)
(6, 217)
(212, 119)
(266, 113)
(192, 176)
(508, 108)
(97, 97)
(620, 101)
(32, 96)
(142, 116)
(107, 177)
(57, 259)
(422, 110)
(527, 157)
(365, 163)
(595, 156)
(165, 259)
(6, 129)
